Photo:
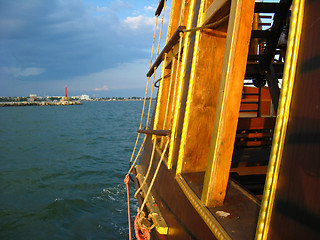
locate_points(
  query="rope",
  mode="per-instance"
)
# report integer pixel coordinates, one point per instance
(138, 135)
(141, 232)
(135, 160)
(146, 91)
(126, 181)
(155, 174)
(154, 74)
(141, 229)
(149, 168)
(211, 25)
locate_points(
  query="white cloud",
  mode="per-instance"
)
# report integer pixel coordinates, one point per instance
(22, 72)
(148, 8)
(104, 88)
(139, 21)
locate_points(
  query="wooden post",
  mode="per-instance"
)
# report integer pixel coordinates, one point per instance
(227, 112)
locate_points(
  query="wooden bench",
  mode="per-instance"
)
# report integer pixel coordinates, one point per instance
(251, 152)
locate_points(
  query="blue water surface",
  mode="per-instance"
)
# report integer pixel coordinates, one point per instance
(62, 170)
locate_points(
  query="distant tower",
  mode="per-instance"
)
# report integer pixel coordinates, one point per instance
(66, 92)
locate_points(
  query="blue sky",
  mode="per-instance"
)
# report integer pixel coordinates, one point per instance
(96, 47)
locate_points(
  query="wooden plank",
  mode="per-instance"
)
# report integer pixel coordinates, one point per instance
(250, 155)
(155, 132)
(250, 170)
(202, 98)
(230, 92)
(254, 135)
(160, 7)
(253, 143)
(214, 9)
(182, 82)
(256, 123)
(294, 192)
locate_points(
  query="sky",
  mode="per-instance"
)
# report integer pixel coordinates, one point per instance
(97, 47)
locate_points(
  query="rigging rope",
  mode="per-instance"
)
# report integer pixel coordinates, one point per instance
(149, 168)
(126, 181)
(146, 91)
(211, 25)
(139, 226)
(152, 155)
(154, 74)
(138, 135)
(155, 175)
(135, 160)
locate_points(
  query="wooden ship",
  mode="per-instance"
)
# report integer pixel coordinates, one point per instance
(232, 147)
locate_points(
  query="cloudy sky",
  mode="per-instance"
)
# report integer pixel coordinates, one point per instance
(96, 47)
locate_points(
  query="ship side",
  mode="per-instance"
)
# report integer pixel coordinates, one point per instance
(232, 148)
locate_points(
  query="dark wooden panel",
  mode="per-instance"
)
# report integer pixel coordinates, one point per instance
(296, 212)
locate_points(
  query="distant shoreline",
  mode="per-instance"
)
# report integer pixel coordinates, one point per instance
(21, 104)
(64, 103)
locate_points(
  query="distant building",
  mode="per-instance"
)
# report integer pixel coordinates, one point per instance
(84, 97)
(32, 97)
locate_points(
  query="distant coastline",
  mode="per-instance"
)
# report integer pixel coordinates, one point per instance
(64, 103)
(15, 104)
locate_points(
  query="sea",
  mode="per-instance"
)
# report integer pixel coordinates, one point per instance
(62, 170)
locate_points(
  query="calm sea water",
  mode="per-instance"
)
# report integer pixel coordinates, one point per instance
(62, 170)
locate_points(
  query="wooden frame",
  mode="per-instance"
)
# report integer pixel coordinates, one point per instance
(282, 121)
(226, 117)
(202, 93)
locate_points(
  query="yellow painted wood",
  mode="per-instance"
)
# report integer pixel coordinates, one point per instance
(282, 120)
(227, 112)
(163, 97)
(174, 147)
(215, 7)
(203, 90)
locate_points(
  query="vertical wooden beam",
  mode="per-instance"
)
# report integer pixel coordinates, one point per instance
(161, 99)
(182, 84)
(202, 94)
(272, 187)
(226, 118)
